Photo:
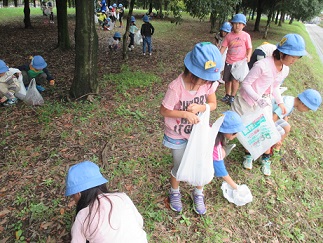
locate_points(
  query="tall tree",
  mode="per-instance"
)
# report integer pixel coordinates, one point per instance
(86, 51)
(62, 25)
(126, 34)
(27, 21)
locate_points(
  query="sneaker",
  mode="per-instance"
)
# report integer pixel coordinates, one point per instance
(175, 202)
(226, 98)
(10, 102)
(265, 169)
(40, 88)
(144, 54)
(129, 49)
(198, 204)
(247, 163)
(150, 54)
(132, 47)
(231, 99)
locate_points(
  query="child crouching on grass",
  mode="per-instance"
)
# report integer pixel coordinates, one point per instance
(9, 85)
(232, 124)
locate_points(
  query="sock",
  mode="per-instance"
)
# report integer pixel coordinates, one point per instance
(266, 156)
(247, 153)
(198, 191)
(172, 190)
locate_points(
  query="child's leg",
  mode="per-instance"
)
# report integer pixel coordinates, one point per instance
(144, 45)
(234, 87)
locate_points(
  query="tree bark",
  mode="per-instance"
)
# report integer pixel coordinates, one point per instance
(62, 25)
(86, 51)
(27, 15)
(126, 34)
(213, 22)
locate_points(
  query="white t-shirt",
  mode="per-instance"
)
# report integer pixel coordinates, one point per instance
(289, 105)
(268, 49)
(125, 224)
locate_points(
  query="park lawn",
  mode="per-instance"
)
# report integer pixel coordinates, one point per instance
(121, 130)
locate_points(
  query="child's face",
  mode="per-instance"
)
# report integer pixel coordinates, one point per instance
(301, 107)
(238, 27)
(223, 33)
(230, 136)
(289, 60)
(76, 197)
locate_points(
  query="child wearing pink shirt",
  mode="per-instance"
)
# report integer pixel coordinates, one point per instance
(238, 43)
(263, 82)
(185, 98)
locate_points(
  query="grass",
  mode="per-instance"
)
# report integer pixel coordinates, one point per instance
(287, 206)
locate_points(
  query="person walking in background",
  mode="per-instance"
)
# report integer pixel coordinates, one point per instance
(184, 99)
(147, 30)
(121, 13)
(238, 43)
(101, 216)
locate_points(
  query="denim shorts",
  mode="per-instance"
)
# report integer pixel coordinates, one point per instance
(219, 168)
(174, 143)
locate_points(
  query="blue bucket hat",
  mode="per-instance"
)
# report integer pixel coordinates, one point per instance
(120, 5)
(293, 45)
(114, 5)
(239, 18)
(117, 35)
(38, 62)
(226, 26)
(133, 19)
(204, 61)
(3, 67)
(83, 176)
(232, 123)
(145, 19)
(311, 98)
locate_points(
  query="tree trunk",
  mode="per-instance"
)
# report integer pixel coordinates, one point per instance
(85, 80)
(27, 15)
(5, 3)
(291, 20)
(213, 22)
(62, 25)
(281, 19)
(126, 34)
(259, 12)
(15, 2)
(276, 19)
(268, 23)
(150, 7)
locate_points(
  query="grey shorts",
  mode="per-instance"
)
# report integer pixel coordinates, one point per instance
(227, 76)
(280, 124)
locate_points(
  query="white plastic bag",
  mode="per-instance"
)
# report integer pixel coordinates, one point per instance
(196, 166)
(33, 97)
(22, 91)
(240, 70)
(241, 196)
(138, 38)
(260, 132)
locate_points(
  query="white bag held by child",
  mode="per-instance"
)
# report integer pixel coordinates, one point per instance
(240, 70)
(241, 196)
(260, 132)
(33, 97)
(21, 94)
(138, 38)
(196, 166)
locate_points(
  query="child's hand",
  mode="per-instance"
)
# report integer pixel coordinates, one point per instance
(192, 118)
(3, 99)
(52, 82)
(195, 108)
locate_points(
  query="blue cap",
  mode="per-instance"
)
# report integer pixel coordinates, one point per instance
(117, 35)
(114, 5)
(83, 176)
(226, 26)
(120, 5)
(38, 62)
(133, 19)
(239, 18)
(145, 19)
(204, 61)
(110, 7)
(293, 45)
(232, 123)
(311, 98)
(3, 67)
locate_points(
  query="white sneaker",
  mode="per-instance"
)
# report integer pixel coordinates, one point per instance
(247, 163)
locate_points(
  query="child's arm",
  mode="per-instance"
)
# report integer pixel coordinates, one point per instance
(223, 48)
(210, 100)
(189, 116)
(229, 180)
(248, 54)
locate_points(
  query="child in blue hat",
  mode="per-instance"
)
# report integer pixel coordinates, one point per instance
(232, 124)
(184, 99)
(146, 31)
(101, 216)
(37, 68)
(263, 82)
(309, 99)
(132, 30)
(114, 41)
(9, 85)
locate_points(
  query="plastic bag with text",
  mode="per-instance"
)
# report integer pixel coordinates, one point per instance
(240, 70)
(33, 97)
(138, 38)
(241, 196)
(260, 132)
(196, 166)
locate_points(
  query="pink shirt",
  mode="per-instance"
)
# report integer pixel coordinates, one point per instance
(178, 98)
(238, 44)
(218, 152)
(263, 78)
(125, 225)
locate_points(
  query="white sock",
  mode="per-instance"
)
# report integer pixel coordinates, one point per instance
(174, 190)
(198, 191)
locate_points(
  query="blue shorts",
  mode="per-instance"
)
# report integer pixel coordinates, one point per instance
(174, 143)
(219, 168)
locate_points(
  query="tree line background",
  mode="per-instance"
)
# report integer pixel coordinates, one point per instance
(86, 39)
